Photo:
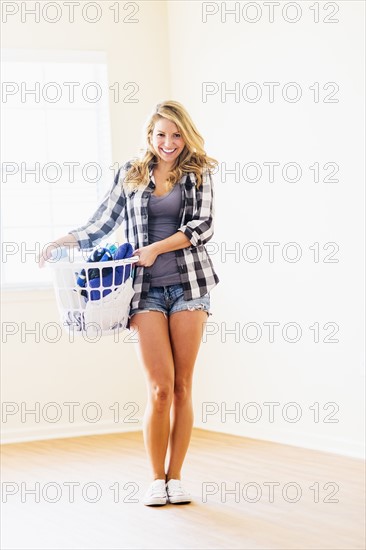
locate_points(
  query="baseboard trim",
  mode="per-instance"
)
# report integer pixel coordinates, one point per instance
(324, 444)
(65, 432)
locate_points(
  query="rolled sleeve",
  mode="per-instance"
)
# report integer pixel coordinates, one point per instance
(108, 216)
(200, 229)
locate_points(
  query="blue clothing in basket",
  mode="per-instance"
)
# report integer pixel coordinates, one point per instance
(98, 255)
(121, 273)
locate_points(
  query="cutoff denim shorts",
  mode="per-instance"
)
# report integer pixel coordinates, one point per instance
(169, 299)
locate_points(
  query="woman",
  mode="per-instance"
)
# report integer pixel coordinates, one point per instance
(166, 201)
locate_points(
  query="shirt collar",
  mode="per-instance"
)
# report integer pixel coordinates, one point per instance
(188, 179)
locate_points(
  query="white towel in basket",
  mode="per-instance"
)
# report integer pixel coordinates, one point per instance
(112, 310)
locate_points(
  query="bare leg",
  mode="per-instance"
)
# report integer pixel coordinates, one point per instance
(186, 328)
(155, 353)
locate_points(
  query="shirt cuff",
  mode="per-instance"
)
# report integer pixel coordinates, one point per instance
(189, 233)
(82, 238)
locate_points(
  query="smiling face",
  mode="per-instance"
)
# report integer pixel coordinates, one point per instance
(167, 142)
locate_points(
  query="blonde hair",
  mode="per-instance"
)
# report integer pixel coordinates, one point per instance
(192, 158)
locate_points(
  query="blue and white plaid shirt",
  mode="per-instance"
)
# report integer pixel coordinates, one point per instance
(196, 270)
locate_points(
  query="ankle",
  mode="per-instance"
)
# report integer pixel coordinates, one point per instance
(172, 476)
(156, 476)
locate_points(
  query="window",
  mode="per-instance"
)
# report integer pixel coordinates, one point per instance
(56, 153)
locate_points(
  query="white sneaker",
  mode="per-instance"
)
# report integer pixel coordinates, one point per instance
(156, 494)
(176, 493)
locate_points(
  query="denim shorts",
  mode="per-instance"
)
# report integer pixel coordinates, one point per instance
(169, 299)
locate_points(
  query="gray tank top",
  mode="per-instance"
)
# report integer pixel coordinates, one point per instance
(163, 222)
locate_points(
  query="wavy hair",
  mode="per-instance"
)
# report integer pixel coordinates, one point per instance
(193, 158)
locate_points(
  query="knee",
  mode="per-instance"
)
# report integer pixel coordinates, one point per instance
(182, 392)
(162, 395)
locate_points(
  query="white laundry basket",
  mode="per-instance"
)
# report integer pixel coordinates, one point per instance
(103, 305)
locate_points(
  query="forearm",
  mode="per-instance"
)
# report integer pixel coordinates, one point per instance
(67, 241)
(174, 242)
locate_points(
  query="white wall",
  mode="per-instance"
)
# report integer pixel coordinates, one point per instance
(234, 373)
(305, 212)
(103, 372)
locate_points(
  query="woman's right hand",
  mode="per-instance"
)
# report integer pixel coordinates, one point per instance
(46, 253)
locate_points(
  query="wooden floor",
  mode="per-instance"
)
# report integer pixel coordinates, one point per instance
(116, 466)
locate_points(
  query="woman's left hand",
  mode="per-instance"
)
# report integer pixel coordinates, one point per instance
(147, 255)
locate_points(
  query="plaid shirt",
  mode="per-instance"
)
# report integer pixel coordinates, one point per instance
(196, 270)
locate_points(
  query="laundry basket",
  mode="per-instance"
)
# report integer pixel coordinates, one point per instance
(102, 305)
